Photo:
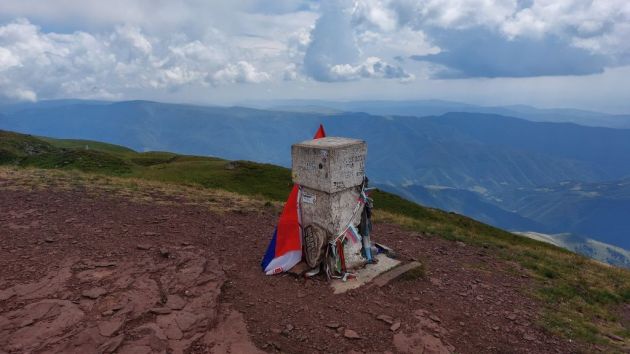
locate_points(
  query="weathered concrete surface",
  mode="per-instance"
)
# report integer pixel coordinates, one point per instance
(331, 171)
(332, 212)
(365, 275)
(330, 164)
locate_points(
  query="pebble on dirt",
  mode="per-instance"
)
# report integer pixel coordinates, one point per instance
(395, 327)
(350, 334)
(94, 293)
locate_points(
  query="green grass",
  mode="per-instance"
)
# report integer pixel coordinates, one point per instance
(86, 145)
(243, 177)
(14, 146)
(84, 160)
(580, 297)
(152, 158)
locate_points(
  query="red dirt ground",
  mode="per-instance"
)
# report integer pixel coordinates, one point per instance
(81, 273)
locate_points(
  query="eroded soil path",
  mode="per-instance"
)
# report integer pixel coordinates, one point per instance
(83, 270)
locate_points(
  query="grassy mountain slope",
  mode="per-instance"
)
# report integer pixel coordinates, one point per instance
(603, 147)
(588, 247)
(236, 176)
(598, 209)
(14, 147)
(581, 297)
(464, 202)
(459, 150)
(578, 208)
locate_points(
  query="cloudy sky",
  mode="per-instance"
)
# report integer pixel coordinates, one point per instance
(562, 53)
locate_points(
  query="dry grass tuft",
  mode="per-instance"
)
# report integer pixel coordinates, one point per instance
(137, 190)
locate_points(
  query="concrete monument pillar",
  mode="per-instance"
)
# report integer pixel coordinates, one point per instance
(330, 172)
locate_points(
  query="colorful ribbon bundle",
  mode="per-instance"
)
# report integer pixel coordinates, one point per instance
(362, 200)
(335, 264)
(352, 234)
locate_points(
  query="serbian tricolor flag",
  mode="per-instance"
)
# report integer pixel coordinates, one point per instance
(285, 249)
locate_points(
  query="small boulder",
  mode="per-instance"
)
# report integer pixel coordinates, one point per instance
(172, 331)
(395, 326)
(385, 318)
(287, 329)
(350, 334)
(186, 320)
(528, 337)
(175, 302)
(94, 293)
(27, 322)
(120, 304)
(109, 328)
(161, 310)
(111, 345)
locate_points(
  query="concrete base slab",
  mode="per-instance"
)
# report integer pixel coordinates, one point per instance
(365, 275)
(385, 278)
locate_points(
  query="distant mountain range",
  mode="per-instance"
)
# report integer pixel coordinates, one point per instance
(422, 108)
(465, 202)
(576, 207)
(505, 171)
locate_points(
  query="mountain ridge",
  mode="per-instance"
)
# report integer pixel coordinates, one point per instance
(489, 155)
(420, 108)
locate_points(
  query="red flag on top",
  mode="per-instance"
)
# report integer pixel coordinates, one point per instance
(321, 133)
(285, 249)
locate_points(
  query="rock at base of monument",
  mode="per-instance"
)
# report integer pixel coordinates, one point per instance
(299, 269)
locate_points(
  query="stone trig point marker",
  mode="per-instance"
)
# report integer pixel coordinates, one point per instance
(330, 171)
(331, 175)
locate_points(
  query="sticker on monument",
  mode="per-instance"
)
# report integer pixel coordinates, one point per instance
(308, 198)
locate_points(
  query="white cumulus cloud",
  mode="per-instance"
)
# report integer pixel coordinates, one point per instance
(36, 64)
(335, 52)
(372, 67)
(7, 59)
(153, 49)
(240, 72)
